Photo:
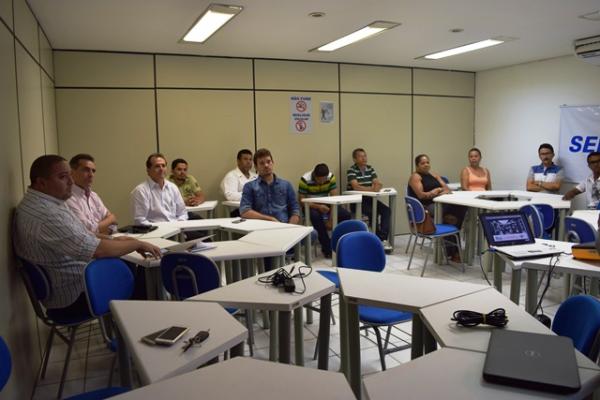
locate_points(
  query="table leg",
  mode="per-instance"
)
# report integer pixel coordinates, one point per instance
(437, 250)
(308, 262)
(273, 335)
(515, 286)
(418, 327)
(498, 266)
(238, 350)
(284, 337)
(374, 215)
(429, 343)
(392, 205)
(307, 214)
(344, 367)
(299, 336)
(334, 216)
(531, 291)
(324, 331)
(124, 361)
(359, 211)
(354, 348)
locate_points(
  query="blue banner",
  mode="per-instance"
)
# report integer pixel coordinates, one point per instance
(579, 136)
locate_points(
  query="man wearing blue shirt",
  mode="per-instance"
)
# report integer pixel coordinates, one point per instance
(269, 197)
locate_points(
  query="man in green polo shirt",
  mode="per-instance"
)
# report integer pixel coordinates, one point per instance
(362, 176)
(187, 184)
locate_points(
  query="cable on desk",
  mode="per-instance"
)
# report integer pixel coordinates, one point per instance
(469, 319)
(481, 265)
(281, 277)
(551, 267)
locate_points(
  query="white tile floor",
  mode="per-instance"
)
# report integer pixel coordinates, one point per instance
(91, 360)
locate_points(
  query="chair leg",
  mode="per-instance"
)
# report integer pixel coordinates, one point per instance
(387, 337)
(460, 253)
(250, 326)
(412, 252)
(380, 347)
(112, 370)
(67, 360)
(427, 256)
(410, 236)
(47, 353)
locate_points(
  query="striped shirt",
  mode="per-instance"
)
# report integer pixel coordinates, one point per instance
(310, 188)
(364, 178)
(48, 234)
(539, 173)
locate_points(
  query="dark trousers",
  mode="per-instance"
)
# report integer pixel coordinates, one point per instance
(318, 221)
(383, 216)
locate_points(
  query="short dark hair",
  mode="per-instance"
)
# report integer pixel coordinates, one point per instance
(154, 155)
(41, 166)
(178, 161)
(475, 149)
(321, 170)
(418, 158)
(546, 146)
(242, 152)
(74, 162)
(356, 151)
(261, 153)
(592, 154)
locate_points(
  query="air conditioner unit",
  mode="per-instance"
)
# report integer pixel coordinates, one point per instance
(588, 49)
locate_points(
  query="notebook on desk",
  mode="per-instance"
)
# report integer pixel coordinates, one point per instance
(510, 234)
(532, 360)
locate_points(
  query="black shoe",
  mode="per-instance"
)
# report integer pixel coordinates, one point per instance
(327, 256)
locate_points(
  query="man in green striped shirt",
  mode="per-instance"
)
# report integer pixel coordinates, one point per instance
(320, 182)
(362, 177)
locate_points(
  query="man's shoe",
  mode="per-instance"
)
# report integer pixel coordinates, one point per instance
(387, 247)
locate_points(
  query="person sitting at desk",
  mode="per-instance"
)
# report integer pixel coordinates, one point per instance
(320, 182)
(361, 176)
(84, 202)
(48, 234)
(546, 177)
(188, 185)
(157, 199)
(269, 197)
(233, 183)
(475, 177)
(591, 185)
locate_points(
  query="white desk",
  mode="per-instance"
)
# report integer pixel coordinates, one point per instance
(231, 205)
(208, 206)
(245, 378)
(334, 202)
(251, 294)
(282, 239)
(457, 375)
(136, 319)
(238, 225)
(391, 194)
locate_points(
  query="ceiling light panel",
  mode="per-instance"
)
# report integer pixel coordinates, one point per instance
(463, 49)
(215, 16)
(361, 34)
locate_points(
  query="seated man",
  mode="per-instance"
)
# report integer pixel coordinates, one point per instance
(48, 234)
(156, 199)
(234, 181)
(547, 176)
(188, 185)
(269, 197)
(321, 183)
(85, 203)
(591, 185)
(361, 176)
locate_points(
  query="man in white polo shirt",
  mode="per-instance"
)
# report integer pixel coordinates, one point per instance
(591, 185)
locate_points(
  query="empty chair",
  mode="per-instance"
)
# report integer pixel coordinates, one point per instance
(351, 225)
(578, 317)
(548, 217)
(416, 215)
(579, 231)
(535, 219)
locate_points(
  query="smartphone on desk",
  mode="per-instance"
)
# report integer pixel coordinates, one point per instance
(237, 221)
(171, 335)
(151, 338)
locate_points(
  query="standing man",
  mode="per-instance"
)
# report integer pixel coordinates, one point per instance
(85, 203)
(591, 185)
(233, 183)
(320, 182)
(48, 234)
(269, 197)
(362, 176)
(546, 177)
(156, 199)
(188, 185)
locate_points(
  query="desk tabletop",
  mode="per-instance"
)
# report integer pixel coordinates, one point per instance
(282, 239)
(456, 374)
(242, 378)
(406, 293)
(136, 319)
(196, 224)
(384, 192)
(566, 263)
(231, 203)
(249, 293)
(343, 199)
(238, 225)
(208, 205)
(469, 199)
(448, 334)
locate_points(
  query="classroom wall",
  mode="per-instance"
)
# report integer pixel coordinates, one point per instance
(28, 130)
(122, 106)
(518, 108)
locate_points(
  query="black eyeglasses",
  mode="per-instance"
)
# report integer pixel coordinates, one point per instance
(196, 340)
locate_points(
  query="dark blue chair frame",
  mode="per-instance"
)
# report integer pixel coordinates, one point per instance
(578, 317)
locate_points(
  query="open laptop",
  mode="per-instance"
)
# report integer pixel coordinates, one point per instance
(509, 233)
(532, 360)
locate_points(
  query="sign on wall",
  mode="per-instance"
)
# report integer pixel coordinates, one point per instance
(579, 136)
(300, 114)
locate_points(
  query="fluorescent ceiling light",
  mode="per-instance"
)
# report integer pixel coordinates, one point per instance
(361, 34)
(215, 16)
(464, 49)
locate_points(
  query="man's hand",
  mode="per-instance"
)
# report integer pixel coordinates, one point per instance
(323, 209)
(146, 249)
(294, 219)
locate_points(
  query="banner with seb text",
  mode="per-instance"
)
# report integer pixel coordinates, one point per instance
(579, 136)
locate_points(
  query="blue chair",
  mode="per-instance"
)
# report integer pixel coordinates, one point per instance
(185, 275)
(534, 217)
(445, 179)
(578, 317)
(548, 218)
(416, 215)
(5, 363)
(350, 225)
(579, 231)
(364, 251)
(598, 206)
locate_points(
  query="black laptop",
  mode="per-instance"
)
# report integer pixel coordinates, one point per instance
(532, 361)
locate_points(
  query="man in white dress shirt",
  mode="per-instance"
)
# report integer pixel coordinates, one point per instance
(156, 199)
(233, 183)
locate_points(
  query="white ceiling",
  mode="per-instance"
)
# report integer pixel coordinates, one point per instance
(283, 29)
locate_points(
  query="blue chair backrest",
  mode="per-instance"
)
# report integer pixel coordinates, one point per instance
(5, 363)
(598, 206)
(547, 213)
(350, 225)
(579, 231)
(535, 218)
(578, 317)
(414, 210)
(445, 179)
(37, 279)
(361, 250)
(185, 275)
(107, 279)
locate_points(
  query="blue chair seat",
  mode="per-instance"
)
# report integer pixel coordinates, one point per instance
(444, 229)
(99, 394)
(382, 316)
(332, 276)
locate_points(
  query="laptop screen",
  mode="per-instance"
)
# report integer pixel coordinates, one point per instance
(506, 229)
